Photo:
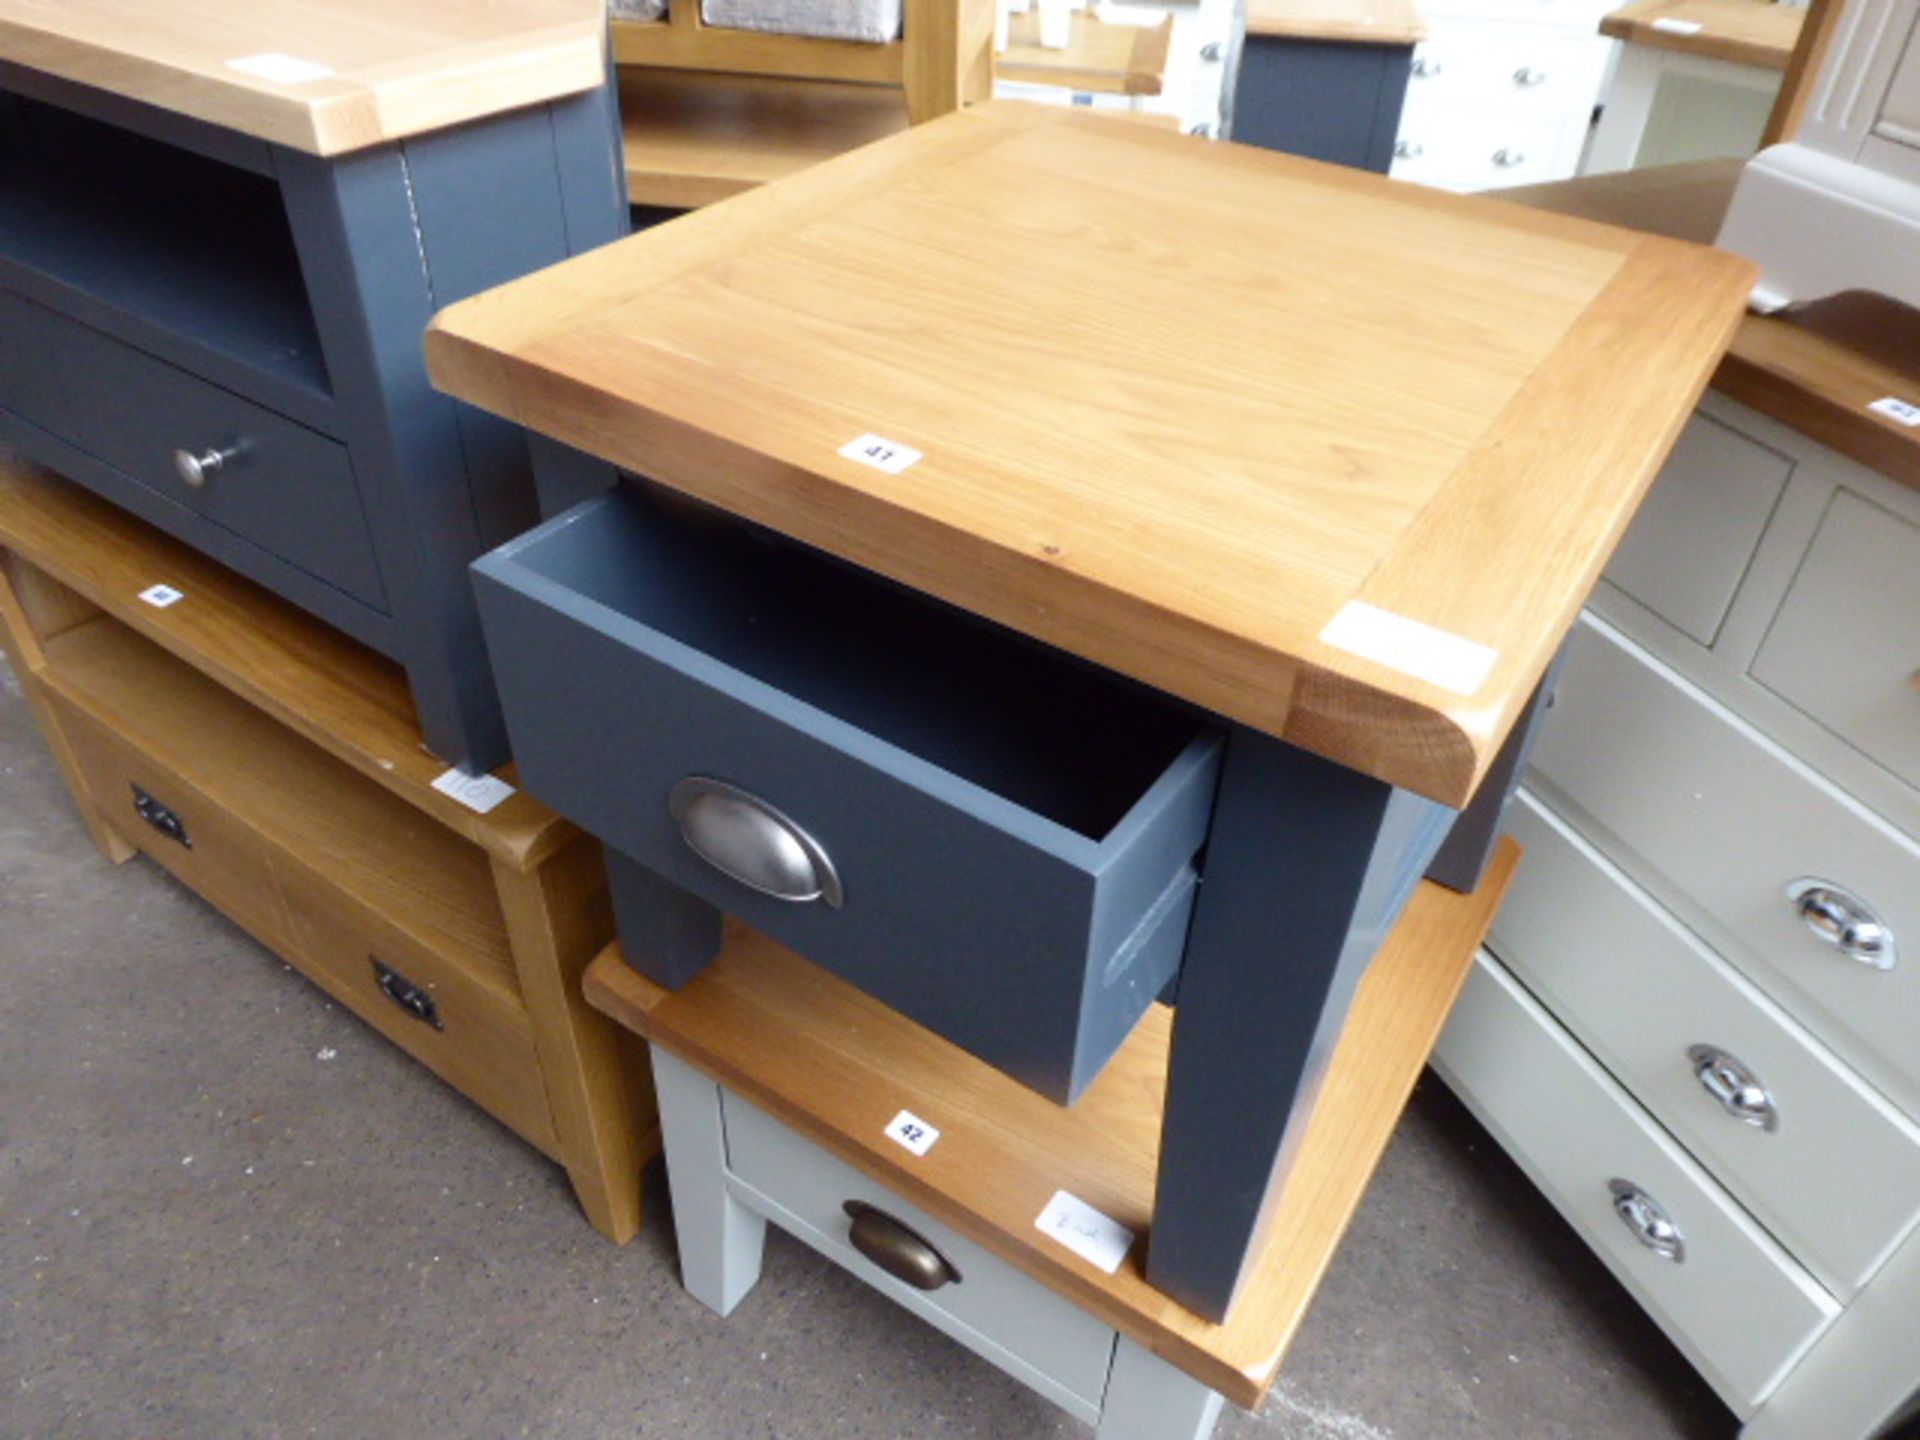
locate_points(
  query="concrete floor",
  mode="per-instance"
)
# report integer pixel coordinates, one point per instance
(229, 1209)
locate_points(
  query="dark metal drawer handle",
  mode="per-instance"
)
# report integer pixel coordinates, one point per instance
(161, 818)
(1845, 921)
(1648, 1220)
(897, 1249)
(407, 995)
(1737, 1089)
(196, 467)
(746, 839)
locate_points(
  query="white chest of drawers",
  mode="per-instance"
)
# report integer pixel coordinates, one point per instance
(1696, 1029)
(1502, 92)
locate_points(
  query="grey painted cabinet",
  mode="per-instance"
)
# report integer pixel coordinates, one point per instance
(223, 336)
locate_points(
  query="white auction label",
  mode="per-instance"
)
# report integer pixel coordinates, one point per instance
(480, 793)
(881, 453)
(1678, 27)
(1895, 408)
(161, 596)
(281, 69)
(1410, 646)
(910, 1131)
(1085, 1231)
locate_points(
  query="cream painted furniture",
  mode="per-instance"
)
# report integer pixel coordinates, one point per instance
(1502, 92)
(781, 1090)
(1694, 1026)
(1697, 80)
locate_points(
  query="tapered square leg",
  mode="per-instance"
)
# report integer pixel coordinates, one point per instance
(720, 1239)
(665, 933)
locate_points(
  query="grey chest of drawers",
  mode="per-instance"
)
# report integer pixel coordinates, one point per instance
(1696, 1028)
(215, 273)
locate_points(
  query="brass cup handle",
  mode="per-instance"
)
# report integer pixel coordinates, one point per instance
(1844, 921)
(898, 1249)
(1648, 1220)
(196, 467)
(1737, 1089)
(748, 840)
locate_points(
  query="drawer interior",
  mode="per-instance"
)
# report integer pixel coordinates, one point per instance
(176, 239)
(1035, 726)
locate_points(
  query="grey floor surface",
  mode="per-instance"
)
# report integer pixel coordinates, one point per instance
(229, 1209)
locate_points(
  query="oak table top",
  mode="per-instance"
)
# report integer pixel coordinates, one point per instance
(1332, 456)
(1359, 22)
(1817, 367)
(323, 76)
(1747, 32)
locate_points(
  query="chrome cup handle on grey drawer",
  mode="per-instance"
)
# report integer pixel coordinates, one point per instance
(1737, 1089)
(1844, 921)
(898, 1249)
(748, 840)
(1648, 1220)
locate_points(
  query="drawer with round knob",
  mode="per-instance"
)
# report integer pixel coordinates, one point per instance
(1473, 147)
(225, 461)
(1732, 1300)
(988, 835)
(1492, 64)
(1041, 1338)
(1818, 1157)
(1806, 891)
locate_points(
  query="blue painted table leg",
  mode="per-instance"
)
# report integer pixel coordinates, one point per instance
(665, 933)
(1308, 866)
(1469, 845)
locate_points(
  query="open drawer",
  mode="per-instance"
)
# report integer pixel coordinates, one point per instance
(859, 771)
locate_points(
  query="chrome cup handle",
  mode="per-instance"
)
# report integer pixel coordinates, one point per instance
(749, 841)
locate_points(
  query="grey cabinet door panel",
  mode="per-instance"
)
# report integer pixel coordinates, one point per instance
(1014, 832)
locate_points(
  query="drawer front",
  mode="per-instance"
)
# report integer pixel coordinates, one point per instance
(282, 486)
(1506, 65)
(1691, 541)
(1729, 822)
(171, 821)
(938, 896)
(463, 1029)
(29, 384)
(1739, 1309)
(1473, 147)
(1828, 1167)
(1058, 1347)
(1845, 647)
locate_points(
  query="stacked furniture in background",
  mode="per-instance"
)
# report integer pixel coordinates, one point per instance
(1695, 1030)
(223, 229)
(1503, 92)
(219, 245)
(709, 111)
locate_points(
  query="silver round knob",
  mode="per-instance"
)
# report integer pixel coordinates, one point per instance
(196, 467)
(1844, 921)
(1506, 159)
(1648, 1220)
(1526, 77)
